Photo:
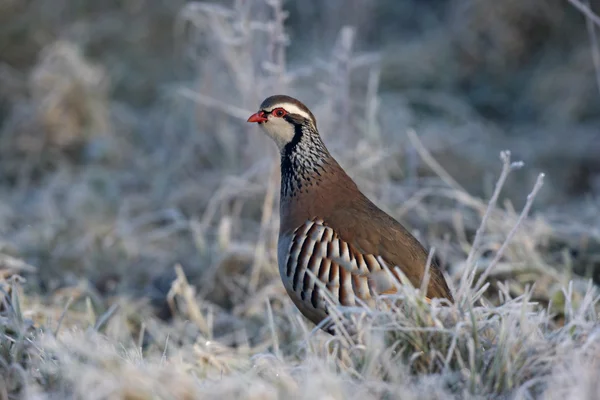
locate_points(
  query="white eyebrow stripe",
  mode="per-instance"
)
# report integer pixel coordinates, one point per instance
(292, 109)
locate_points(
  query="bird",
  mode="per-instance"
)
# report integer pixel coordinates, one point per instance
(331, 236)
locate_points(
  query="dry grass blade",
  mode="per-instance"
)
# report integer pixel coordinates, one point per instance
(181, 287)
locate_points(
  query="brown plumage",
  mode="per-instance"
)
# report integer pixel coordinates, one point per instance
(329, 227)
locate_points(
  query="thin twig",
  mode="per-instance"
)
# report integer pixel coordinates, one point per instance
(62, 315)
(430, 161)
(536, 188)
(426, 274)
(211, 102)
(15, 264)
(267, 213)
(591, 28)
(274, 337)
(100, 322)
(507, 167)
(140, 341)
(181, 287)
(585, 10)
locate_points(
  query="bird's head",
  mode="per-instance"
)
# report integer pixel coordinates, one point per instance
(282, 118)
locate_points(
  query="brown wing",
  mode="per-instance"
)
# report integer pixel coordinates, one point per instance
(369, 230)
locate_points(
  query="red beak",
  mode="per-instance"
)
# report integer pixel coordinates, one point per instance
(258, 117)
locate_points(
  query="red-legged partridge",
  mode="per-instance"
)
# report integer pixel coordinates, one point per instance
(328, 226)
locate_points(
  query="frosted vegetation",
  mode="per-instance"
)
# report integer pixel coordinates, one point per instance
(139, 212)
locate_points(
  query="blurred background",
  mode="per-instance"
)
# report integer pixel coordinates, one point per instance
(124, 149)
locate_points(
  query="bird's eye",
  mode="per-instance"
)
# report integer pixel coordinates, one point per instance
(279, 112)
